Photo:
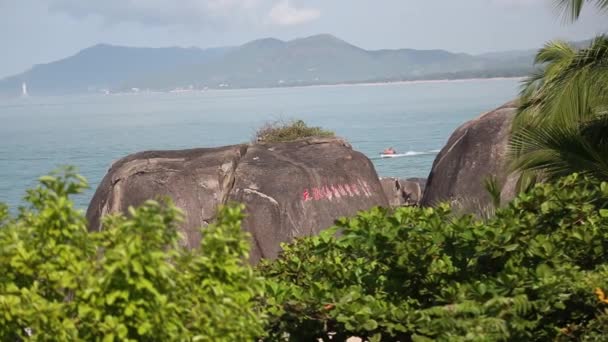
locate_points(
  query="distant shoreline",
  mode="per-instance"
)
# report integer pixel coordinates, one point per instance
(369, 84)
(381, 83)
(349, 84)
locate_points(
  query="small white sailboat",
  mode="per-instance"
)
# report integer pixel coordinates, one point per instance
(24, 90)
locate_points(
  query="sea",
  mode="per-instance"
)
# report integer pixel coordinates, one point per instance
(40, 134)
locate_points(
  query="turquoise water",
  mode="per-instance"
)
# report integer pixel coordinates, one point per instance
(39, 134)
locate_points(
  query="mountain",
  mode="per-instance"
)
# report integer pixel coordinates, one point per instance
(324, 59)
(105, 67)
(319, 59)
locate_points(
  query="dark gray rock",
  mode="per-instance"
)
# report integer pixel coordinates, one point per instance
(403, 192)
(413, 189)
(392, 190)
(421, 182)
(475, 151)
(289, 189)
(197, 181)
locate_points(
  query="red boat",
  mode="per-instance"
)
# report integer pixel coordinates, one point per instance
(389, 151)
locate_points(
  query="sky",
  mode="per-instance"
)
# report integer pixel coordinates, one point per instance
(41, 31)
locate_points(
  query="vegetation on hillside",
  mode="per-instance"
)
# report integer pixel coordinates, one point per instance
(260, 63)
(281, 131)
(536, 271)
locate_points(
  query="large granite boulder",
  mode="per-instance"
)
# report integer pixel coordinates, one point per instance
(289, 189)
(475, 151)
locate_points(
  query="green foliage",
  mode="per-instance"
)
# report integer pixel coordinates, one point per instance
(421, 274)
(494, 189)
(536, 271)
(131, 281)
(563, 114)
(571, 9)
(289, 131)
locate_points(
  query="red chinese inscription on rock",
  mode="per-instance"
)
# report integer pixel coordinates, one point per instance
(338, 191)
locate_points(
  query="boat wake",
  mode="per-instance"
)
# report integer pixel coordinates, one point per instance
(408, 154)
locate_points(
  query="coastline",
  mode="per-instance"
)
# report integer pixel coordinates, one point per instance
(371, 84)
(333, 85)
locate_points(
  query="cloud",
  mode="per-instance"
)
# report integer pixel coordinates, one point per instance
(284, 14)
(197, 13)
(518, 3)
(189, 13)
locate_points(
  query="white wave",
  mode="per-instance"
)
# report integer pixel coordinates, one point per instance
(413, 153)
(408, 154)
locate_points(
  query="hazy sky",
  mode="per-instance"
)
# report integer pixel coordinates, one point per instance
(39, 31)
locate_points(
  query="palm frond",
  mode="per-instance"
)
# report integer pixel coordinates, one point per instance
(555, 51)
(527, 180)
(561, 125)
(494, 189)
(559, 151)
(596, 130)
(566, 70)
(592, 60)
(571, 9)
(588, 70)
(532, 84)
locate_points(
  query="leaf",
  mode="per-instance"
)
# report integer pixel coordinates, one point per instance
(370, 325)
(144, 328)
(130, 309)
(376, 338)
(111, 297)
(420, 338)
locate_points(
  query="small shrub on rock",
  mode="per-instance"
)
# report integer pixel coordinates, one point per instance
(280, 131)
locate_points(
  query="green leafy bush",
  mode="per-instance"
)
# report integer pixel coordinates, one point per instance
(131, 281)
(528, 274)
(536, 271)
(280, 131)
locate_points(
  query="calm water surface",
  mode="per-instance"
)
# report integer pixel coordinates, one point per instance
(37, 134)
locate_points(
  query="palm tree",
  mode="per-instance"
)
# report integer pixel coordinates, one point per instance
(572, 8)
(562, 123)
